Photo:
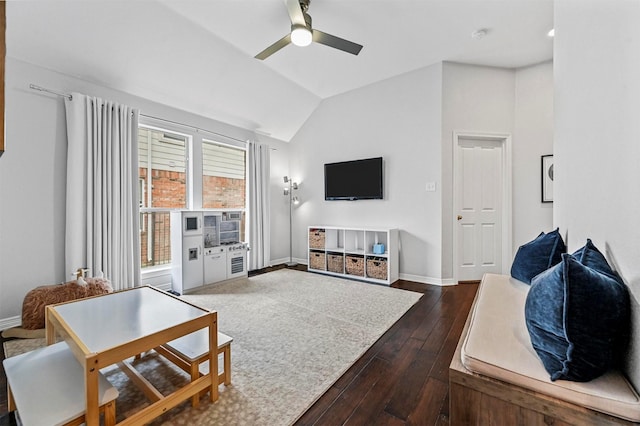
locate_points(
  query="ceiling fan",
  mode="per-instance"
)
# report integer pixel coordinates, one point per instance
(302, 34)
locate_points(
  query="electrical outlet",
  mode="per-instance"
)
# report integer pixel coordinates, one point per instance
(431, 187)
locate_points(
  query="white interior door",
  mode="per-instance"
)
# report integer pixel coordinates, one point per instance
(479, 195)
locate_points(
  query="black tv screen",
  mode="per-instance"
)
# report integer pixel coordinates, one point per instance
(353, 180)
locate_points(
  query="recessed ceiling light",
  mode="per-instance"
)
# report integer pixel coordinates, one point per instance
(551, 32)
(479, 34)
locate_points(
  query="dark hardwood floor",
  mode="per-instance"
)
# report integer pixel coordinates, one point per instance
(403, 379)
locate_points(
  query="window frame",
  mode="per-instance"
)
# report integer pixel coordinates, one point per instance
(209, 141)
(187, 162)
(149, 211)
(195, 139)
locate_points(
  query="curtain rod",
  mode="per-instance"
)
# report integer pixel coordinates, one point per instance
(42, 89)
(198, 129)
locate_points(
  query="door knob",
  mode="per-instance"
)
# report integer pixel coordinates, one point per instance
(459, 217)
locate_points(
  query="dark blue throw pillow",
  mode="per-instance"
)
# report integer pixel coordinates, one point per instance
(537, 256)
(590, 256)
(577, 318)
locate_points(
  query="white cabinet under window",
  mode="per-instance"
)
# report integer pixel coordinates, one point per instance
(215, 264)
(206, 249)
(186, 251)
(360, 253)
(190, 270)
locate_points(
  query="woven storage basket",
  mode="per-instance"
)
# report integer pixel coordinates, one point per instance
(377, 268)
(354, 265)
(317, 260)
(335, 262)
(316, 238)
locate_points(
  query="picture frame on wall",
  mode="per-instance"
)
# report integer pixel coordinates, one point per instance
(547, 178)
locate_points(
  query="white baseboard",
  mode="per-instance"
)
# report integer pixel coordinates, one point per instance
(428, 280)
(286, 259)
(10, 322)
(279, 261)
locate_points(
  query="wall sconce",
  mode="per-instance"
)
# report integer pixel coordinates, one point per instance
(288, 191)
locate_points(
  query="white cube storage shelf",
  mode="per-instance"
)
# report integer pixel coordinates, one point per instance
(354, 247)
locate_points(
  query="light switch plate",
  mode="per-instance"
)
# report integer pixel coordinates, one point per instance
(431, 187)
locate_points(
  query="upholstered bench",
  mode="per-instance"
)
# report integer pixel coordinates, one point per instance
(46, 387)
(496, 376)
(190, 353)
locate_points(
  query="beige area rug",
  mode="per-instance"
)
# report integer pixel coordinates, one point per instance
(295, 333)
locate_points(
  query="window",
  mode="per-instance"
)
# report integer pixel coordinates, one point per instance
(162, 165)
(223, 176)
(167, 155)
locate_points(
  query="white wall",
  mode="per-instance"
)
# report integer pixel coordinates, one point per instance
(533, 138)
(597, 135)
(410, 121)
(33, 177)
(398, 119)
(475, 99)
(32, 188)
(279, 206)
(500, 101)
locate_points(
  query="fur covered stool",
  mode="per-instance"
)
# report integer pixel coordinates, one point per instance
(36, 299)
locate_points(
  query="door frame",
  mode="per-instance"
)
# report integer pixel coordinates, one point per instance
(507, 197)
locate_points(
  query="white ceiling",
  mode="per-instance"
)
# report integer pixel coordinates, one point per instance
(197, 55)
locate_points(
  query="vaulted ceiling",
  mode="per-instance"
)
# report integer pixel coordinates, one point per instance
(198, 55)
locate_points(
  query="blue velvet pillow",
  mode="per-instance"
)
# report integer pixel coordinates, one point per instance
(577, 318)
(537, 256)
(590, 256)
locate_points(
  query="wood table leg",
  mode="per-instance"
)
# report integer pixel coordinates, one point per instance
(213, 355)
(10, 401)
(50, 331)
(91, 373)
(227, 364)
(110, 414)
(195, 374)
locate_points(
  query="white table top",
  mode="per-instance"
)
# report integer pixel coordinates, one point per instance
(118, 318)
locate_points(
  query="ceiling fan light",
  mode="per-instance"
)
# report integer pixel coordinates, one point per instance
(301, 36)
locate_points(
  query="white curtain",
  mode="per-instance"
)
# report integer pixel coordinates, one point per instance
(102, 223)
(258, 205)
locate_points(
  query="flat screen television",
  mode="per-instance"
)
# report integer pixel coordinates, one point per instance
(353, 180)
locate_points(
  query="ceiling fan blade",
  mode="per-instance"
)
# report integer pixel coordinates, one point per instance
(274, 47)
(336, 42)
(295, 12)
